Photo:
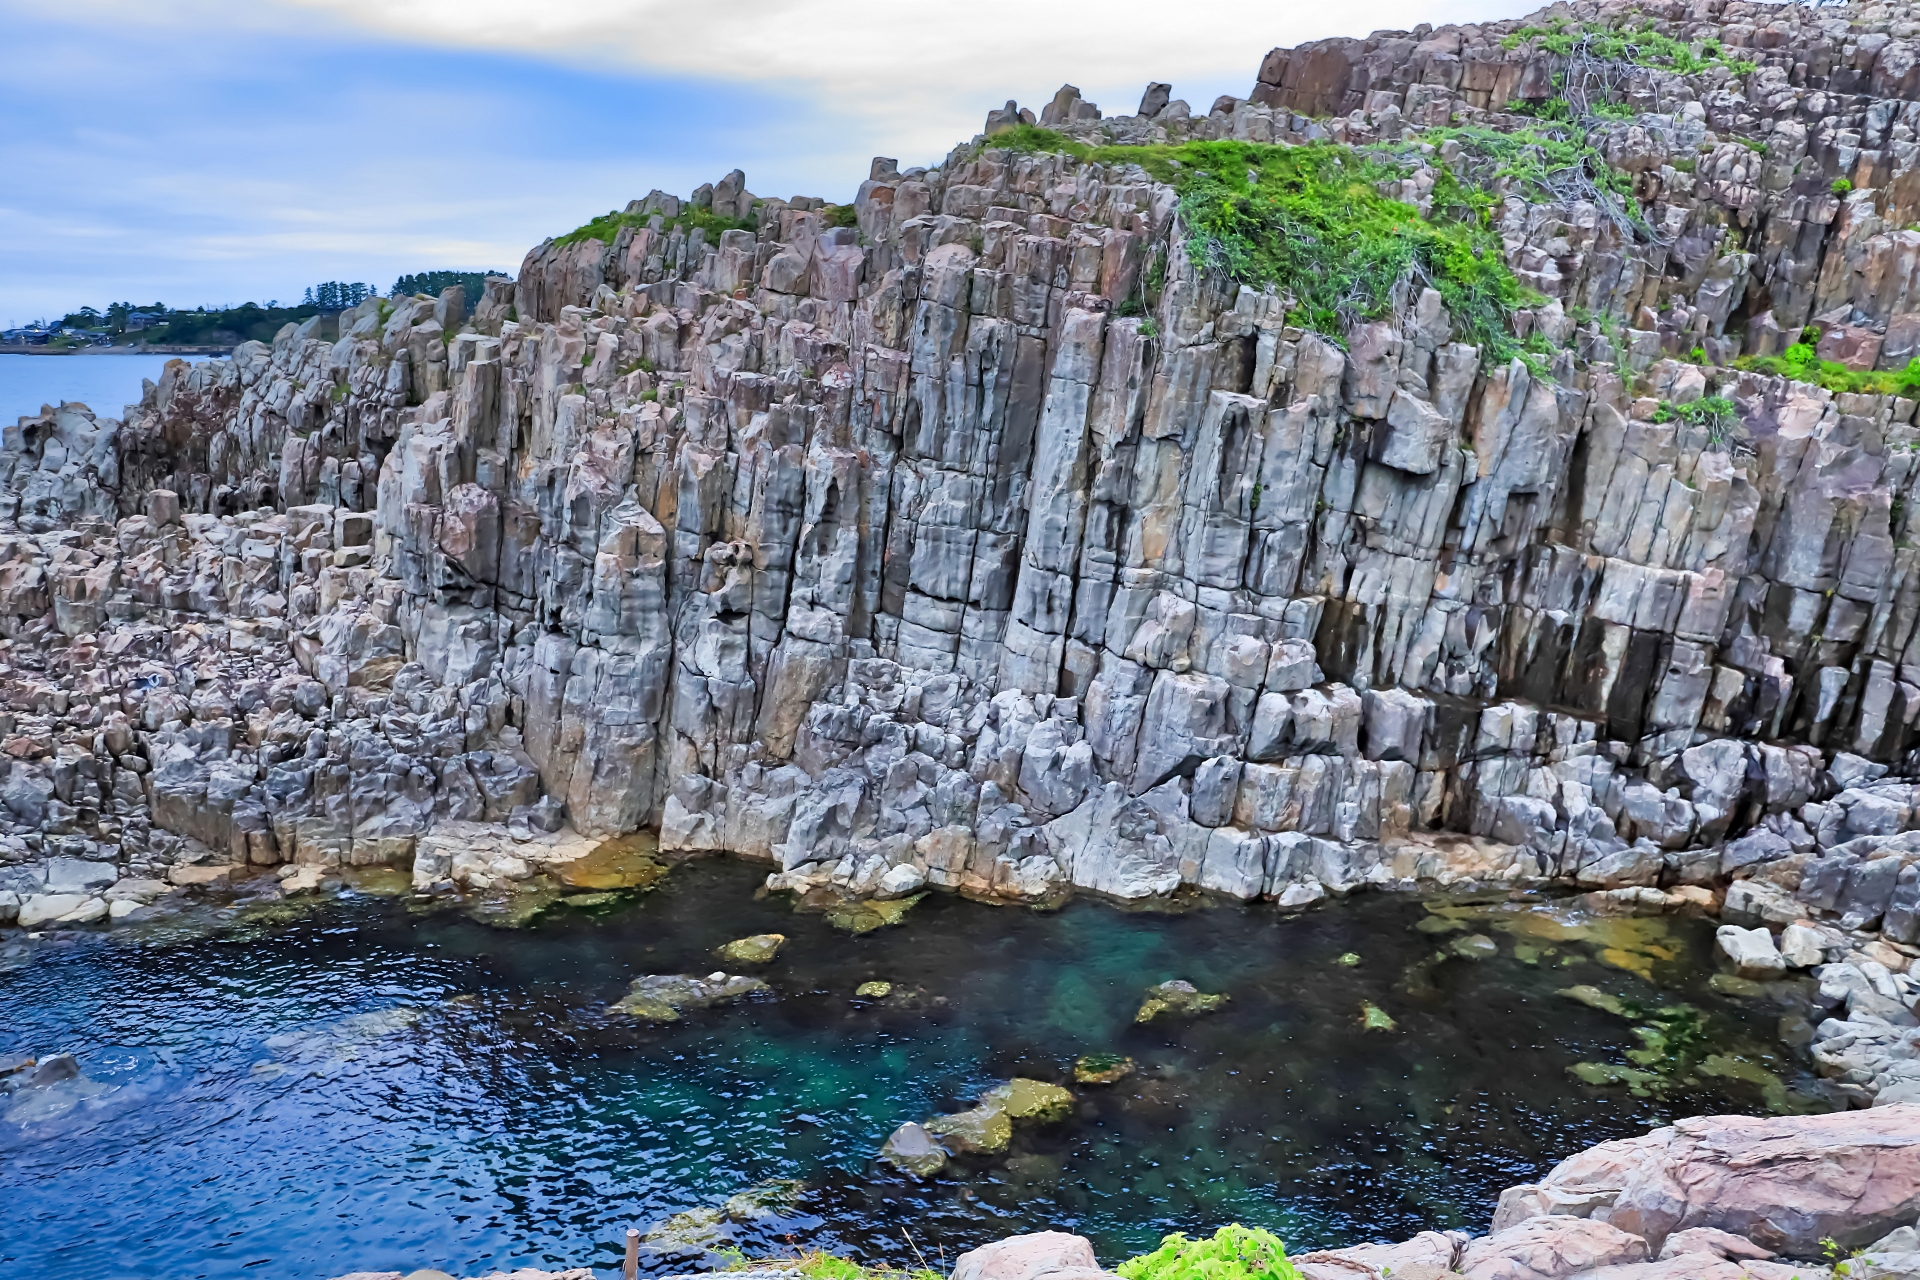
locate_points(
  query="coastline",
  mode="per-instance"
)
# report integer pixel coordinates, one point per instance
(177, 349)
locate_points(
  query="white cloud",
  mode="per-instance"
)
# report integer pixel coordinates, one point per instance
(926, 73)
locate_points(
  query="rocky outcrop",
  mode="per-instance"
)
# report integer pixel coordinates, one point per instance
(975, 535)
(1784, 1184)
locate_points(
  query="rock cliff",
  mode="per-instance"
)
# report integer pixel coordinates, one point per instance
(995, 532)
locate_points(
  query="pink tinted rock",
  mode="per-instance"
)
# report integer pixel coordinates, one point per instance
(1784, 1182)
(1427, 1256)
(1721, 1244)
(1550, 1248)
(1027, 1257)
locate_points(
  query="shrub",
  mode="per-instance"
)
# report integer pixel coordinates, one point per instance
(1841, 186)
(1231, 1253)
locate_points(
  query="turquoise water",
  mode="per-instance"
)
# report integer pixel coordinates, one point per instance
(373, 1085)
(104, 383)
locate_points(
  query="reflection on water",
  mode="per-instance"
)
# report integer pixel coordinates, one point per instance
(367, 1085)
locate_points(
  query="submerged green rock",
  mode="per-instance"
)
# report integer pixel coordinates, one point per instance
(913, 1149)
(1374, 1018)
(1101, 1068)
(866, 915)
(660, 997)
(1179, 998)
(759, 949)
(1475, 946)
(1035, 1100)
(982, 1130)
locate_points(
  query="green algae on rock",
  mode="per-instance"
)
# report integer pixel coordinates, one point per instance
(866, 914)
(1374, 1018)
(758, 949)
(624, 862)
(982, 1130)
(1036, 1100)
(1177, 998)
(873, 990)
(1101, 1068)
(660, 997)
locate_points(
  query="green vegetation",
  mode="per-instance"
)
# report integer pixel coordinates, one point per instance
(1543, 163)
(606, 228)
(1311, 221)
(841, 215)
(1637, 46)
(1841, 186)
(432, 282)
(1231, 1253)
(1715, 413)
(336, 295)
(1800, 363)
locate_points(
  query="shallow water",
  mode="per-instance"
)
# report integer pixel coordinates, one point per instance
(104, 383)
(366, 1085)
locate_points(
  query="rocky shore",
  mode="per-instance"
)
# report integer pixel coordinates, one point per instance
(1709, 1198)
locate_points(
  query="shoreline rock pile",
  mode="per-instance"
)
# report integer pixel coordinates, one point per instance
(1707, 1198)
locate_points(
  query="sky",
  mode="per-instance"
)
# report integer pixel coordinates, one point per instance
(218, 151)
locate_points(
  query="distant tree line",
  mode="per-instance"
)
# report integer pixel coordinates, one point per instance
(432, 282)
(335, 295)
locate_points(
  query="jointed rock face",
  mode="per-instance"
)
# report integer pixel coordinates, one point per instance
(917, 550)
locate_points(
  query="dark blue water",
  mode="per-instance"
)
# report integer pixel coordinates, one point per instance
(104, 383)
(373, 1086)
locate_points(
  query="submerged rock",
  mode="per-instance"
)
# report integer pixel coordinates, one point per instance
(873, 990)
(913, 1149)
(1101, 1068)
(1477, 946)
(1178, 998)
(758, 949)
(1035, 1100)
(1374, 1018)
(982, 1130)
(987, 1127)
(866, 915)
(661, 997)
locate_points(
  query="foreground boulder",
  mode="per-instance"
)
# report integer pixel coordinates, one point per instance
(1784, 1183)
(1053, 1254)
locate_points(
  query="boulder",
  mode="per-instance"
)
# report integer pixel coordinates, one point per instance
(1752, 951)
(1551, 1247)
(912, 1149)
(1785, 1183)
(1030, 1257)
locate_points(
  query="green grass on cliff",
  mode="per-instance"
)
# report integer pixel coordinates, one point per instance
(1634, 46)
(606, 228)
(1312, 221)
(1800, 363)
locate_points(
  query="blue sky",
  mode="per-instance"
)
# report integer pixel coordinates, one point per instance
(193, 151)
